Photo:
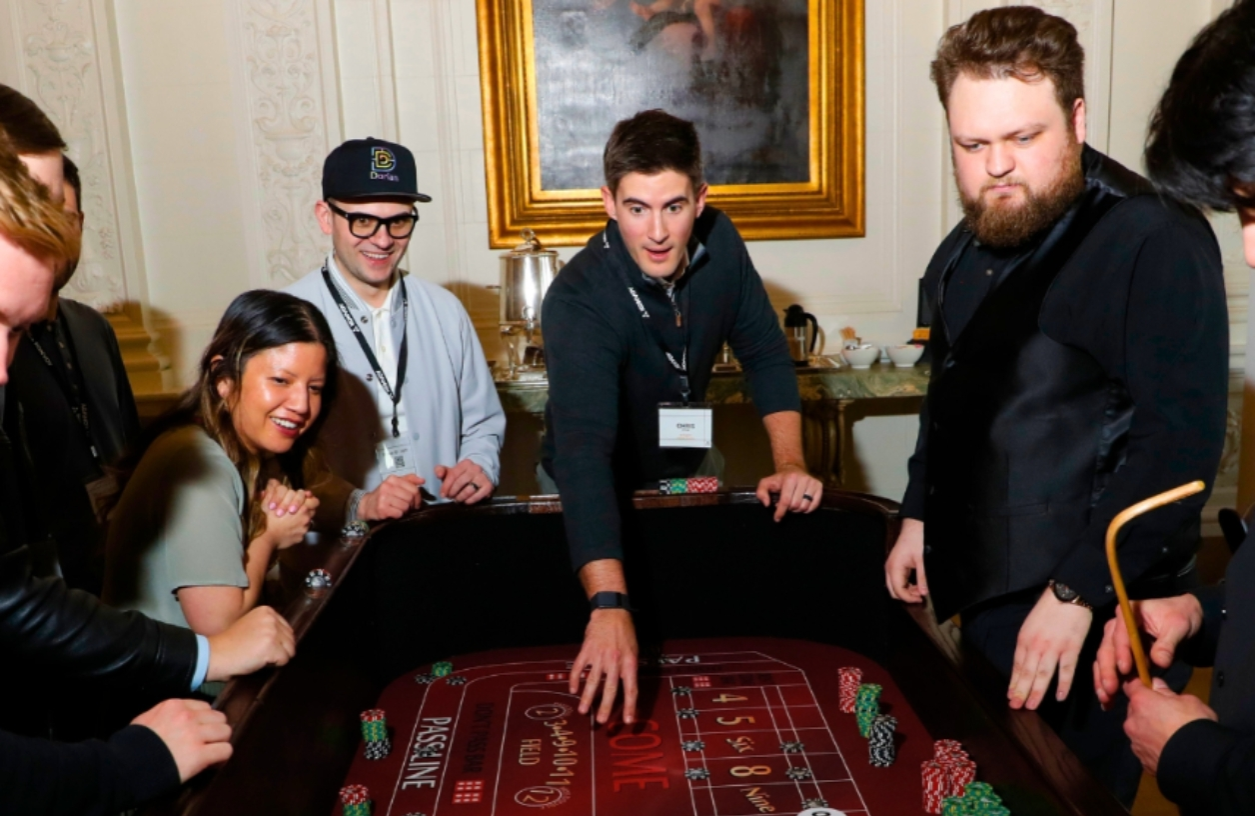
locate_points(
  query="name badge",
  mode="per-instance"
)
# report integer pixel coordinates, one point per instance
(685, 426)
(100, 492)
(396, 457)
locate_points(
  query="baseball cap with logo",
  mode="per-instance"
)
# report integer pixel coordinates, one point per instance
(371, 168)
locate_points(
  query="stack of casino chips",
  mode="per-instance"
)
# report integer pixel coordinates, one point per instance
(697, 484)
(848, 680)
(881, 741)
(356, 800)
(960, 769)
(947, 775)
(978, 799)
(375, 734)
(442, 669)
(867, 707)
(934, 785)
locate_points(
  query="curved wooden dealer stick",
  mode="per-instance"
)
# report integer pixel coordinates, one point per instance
(1123, 598)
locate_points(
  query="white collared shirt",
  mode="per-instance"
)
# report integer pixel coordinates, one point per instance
(382, 343)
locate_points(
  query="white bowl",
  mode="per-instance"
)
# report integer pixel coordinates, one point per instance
(905, 356)
(862, 357)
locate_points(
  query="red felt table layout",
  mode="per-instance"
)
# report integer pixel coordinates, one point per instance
(734, 727)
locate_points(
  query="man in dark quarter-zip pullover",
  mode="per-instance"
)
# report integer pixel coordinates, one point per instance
(635, 321)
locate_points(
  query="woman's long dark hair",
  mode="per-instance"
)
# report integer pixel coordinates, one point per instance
(254, 322)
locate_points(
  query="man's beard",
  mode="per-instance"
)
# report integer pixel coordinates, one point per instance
(1006, 227)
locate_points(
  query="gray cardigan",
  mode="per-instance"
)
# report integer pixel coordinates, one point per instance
(451, 403)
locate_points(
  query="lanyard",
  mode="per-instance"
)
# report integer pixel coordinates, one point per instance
(70, 382)
(395, 396)
(681, 367)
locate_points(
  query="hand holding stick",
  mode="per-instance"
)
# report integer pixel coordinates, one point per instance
(1123, 598)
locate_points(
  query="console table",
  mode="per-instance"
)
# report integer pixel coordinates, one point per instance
(827, 393)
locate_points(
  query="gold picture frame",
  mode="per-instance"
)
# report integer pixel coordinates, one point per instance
(827, 203)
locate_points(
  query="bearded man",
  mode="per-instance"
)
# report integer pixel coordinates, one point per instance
(1080, 358)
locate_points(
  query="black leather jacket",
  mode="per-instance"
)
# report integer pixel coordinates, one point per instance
(46, 628)
(45, 624)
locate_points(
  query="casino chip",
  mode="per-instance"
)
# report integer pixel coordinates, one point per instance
(798, 773)
(378, 749)
(933, 784)
(697, 773)
(443, 668)
(816, 803)
(681, 690)
(356, 801)
(318, 579)
(687, 713)
(456, 680)
(425, 679)
(867, 706)
(881, 741)
(793, 747)
(355, 529)
(693, 745)
(848, 680)
(703, 484)
(427, 752)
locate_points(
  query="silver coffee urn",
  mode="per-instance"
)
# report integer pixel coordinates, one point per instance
(526, 272)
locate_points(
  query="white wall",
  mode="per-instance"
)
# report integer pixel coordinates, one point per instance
(226, 109)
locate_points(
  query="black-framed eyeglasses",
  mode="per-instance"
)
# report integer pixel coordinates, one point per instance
(365, 225)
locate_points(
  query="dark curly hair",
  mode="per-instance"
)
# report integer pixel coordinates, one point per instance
(1200, 144)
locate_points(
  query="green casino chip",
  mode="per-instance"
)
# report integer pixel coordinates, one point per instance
(443, 669)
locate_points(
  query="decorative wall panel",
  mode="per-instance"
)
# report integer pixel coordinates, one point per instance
(286, 55)
(62, 72)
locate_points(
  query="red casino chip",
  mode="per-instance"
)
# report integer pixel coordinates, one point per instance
(703, 484)
(354, 795)
(372, 715)
(934, 783)
(848, 681)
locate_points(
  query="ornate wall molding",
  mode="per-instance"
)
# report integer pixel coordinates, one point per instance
(1093, 21)
(63, 70)
(285, 72)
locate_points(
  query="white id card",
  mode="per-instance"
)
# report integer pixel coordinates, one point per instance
(684, 426)
(396, 457)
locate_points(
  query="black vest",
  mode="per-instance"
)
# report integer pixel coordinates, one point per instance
(1024, 431)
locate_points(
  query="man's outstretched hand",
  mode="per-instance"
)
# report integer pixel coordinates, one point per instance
(195, 734)
(609, 655)
(797, 491)
(1051, 638)
(1169, 620)
(908, 556)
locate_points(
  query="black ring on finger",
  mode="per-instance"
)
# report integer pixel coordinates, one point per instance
(808, 497)
(475, 486)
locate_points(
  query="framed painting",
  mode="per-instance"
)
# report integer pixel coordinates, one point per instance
(775, 88)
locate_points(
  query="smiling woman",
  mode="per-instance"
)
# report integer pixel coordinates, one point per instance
(219, 484)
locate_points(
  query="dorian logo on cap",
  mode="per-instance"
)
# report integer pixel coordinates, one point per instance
(383, 160)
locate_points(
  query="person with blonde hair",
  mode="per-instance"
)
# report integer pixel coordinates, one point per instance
(69, 634)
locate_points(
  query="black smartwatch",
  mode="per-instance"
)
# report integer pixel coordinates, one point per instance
(609, 600)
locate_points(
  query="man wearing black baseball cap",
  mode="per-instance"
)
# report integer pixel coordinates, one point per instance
(417, 410)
